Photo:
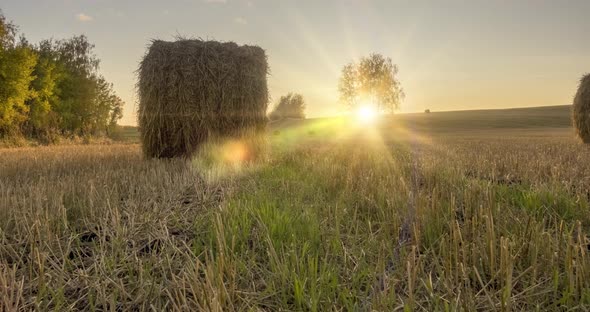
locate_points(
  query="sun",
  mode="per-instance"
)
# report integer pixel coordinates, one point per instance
(366, 113)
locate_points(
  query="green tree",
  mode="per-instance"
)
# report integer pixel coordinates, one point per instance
(88, 104)
(8, 32)
(17, 62)
(45, 92)
(291, 105)
(373, 80)
(53, 88)
(78, 86)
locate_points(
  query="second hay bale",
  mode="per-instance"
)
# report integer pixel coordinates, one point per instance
(581, 109)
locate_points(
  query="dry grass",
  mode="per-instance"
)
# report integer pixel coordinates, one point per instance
(91, 227)
(355, 222)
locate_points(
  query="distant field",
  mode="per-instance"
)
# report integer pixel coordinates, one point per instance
(128, 134)
(549, 120)
(470, 211)
(557, 118)
(516, 118)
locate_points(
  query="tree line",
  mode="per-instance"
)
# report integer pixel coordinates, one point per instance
(53, 88)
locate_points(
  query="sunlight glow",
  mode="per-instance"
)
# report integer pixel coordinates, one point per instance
(367, 113)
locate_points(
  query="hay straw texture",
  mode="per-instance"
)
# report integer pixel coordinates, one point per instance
(193, 90)
(581, 115)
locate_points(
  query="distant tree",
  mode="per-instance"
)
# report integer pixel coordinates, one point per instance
(108, 108)
(291, 105)
(372, 79)
(115, 115)
(427, 111)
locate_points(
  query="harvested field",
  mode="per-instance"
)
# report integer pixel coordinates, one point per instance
(411, 220)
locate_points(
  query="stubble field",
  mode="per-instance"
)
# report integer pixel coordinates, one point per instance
(410, 214)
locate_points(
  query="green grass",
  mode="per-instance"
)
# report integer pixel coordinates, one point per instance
(338, 217)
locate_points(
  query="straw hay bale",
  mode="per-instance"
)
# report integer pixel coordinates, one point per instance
(193, 90)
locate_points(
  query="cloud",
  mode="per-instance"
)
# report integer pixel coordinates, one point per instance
(240, 20)
(84, 18)
(215, 1)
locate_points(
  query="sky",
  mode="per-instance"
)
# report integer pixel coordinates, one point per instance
(452, 55)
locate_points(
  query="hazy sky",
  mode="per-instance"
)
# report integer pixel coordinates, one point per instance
(451, 54)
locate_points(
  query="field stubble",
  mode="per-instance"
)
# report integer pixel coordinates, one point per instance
(397, 220)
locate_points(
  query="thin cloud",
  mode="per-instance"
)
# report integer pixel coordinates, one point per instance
(84, 18)
(215, 1)
(240, 20)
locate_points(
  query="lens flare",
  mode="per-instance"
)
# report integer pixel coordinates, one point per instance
(235, 152)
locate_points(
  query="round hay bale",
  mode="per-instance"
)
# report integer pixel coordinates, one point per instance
(193, 90)
(581, 111)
